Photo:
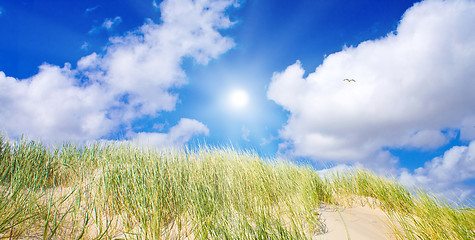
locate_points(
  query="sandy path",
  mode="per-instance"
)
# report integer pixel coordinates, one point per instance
(363, 223)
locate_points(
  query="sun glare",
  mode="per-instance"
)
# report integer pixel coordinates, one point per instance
(238, 98)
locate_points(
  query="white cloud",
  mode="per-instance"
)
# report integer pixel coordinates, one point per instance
(426, 139)
(91, 9)
(411, 86)
(135, 77)
(146, 63)
(85, 46)
(51, 105)
(155, 4)
(109, 23)
(447, 173)
(176, 137)
(1, 10)
(338, 169)
(467, 128)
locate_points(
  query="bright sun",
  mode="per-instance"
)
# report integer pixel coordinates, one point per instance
(238, 98)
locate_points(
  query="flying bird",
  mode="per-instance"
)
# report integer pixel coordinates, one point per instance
(349, 80)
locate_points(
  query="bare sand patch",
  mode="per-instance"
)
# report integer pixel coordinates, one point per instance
(362, 223)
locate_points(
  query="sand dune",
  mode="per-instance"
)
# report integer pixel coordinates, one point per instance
(363, 223)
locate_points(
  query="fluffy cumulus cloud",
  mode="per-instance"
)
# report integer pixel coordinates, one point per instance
(413, 88)
(134, 77)
(177, 136)
(50, 104)
(446, 174)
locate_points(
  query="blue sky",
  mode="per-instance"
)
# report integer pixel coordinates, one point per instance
(162, 72)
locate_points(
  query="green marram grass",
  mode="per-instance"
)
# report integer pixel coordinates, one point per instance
(120, 191)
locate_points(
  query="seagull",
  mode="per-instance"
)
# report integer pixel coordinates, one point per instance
(349, 80)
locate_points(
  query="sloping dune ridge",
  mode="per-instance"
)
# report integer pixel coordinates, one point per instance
(122, 191)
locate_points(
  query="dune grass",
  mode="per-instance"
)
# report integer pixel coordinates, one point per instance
(107, 191)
